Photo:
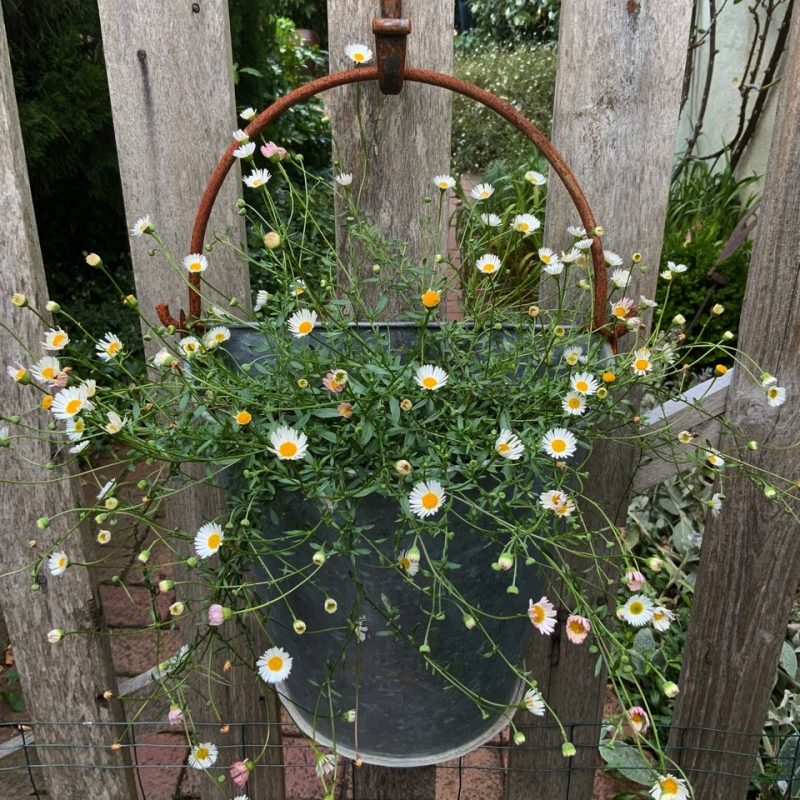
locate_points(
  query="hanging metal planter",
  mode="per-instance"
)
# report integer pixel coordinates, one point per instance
(407, 713)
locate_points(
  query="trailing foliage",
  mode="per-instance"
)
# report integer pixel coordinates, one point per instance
(515, 20)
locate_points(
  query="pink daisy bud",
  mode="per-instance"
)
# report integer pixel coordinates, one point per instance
(271, 151)
(635, 580)
(330, 382)
(240, 772)
(217, 614)
(175, 716)
(638, 719)
(577, 628)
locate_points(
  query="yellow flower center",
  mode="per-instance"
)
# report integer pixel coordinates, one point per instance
(558, 445)
(641, 364)
(405, 563)
(503, 447)
(522, 226)
(243, 417)
(443, 184)
(49, 373)
(546, 259)
(581, 386)
(201, 754)
(73, 406)
(189, 347)
(195, 266)
(537, 615)
(430, 299)
(275, 664)
(636, 607)
(288, 449)
(47, 401)
(658, 616)
(20, 373)
(220, 337)
(574, 402)
(305, 327)
(58, 339)
(429, 382)
(575, 626)
(609, 377)
(556, 500)
(430, 500)
(359, 57)
(62, 562)
(113, 348)
(619, 311)
(669, 785)
(214, 541)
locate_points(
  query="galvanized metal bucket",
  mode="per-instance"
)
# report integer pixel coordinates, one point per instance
(407, 713)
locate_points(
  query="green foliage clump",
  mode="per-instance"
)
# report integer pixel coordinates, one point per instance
(523, 76)
(515, 20)
(705, 207)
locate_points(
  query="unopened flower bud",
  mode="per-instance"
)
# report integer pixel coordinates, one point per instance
(144, 556)
(727, 336)
(506, 561)
(108, 694)
(717, 309)
(299, 627)
(519, 737)
(52, 307)
(177, 608)
(533, 311)
(770, 491)
(752, 445)
(302, 383)
(670, 690)
(165, 586)
(469, 622)
(655, 564)
(19, 300)
(272, 240)
(584, 284)
(130, 301)
(55, 636)
(636, 257)
(568, 750)
(319, 557)
(402, 467)
(376, 268)
(349, 716)
(406, 404)
(94, 260)
(43, 522)
(679, 319)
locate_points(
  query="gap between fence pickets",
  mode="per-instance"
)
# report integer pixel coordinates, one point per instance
(693, 409)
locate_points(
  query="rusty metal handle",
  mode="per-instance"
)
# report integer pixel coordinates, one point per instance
(362, 75)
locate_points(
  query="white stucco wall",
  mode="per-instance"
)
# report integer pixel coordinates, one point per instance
(735, 29)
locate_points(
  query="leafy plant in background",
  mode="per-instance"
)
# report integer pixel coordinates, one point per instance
(514, 20)
(525, 77)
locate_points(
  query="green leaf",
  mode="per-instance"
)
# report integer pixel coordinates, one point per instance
(684, 537)
(628, 761)
(394, 410)
(788, 660)
(789, 763)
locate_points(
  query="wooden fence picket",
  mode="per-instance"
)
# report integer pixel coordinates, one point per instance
(62, 682)
(618, 81)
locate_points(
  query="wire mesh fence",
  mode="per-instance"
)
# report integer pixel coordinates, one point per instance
(157, 756)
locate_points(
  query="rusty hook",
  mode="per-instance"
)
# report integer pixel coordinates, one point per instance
(391, 30)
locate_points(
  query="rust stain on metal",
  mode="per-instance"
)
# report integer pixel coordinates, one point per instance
(363, 75)
(633, 8)
(390, 32)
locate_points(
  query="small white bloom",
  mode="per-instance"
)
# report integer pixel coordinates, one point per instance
(109, 347)
(667, 787)
(324, 764)
(647, 303)
(55, 339)
(508, 445)
(426, 498)
(559, 443)
(620, 277)
(142, 226)
(662, 617)
(715, 459)
(676, 268)
(103, 537)
(216, 336)
(482, 191)
(574, 404)
(248, 113)
(163, 358)
(583, 244)
(57, 563)
(288, 444)
(534, 702)
(525, 223)
(344, 178)
(492, 220)
(358, 53)
(576, 231)
(638, 610)
(430, 377)
(573, 354)
(542, 616)
(70, 402)
(409, 561)
(444, 182)
(196, 262)
(208, 539)
(612, 258)
(301, 323)
(776, 396)
(245, 151)
(79, 448)
(716, 503)
(46, 369)
(536, 178)
(571, 256)
(641, 362)
(257, 178)
(190, 345)
(262, 298)
(115, 422)
(75, 428)
(488, 264)
(584, 383)
(105, 489)
(203, 756)
(241, 136)
(274, 665)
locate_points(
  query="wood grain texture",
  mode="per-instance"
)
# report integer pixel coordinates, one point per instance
(408, 135)
(170, 79)
(64, 681)
(750, 559)
(618, 80)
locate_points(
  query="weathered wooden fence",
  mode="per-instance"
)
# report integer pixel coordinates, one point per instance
(615, 117)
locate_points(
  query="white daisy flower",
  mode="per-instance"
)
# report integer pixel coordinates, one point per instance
(142, 226)
(248, 113)
(274, 665)
(163, 358)
(553, 499)
(109, 347)
(534, 702)
(542, 616)
(79, 448)
(576, 231)
(46, 369)
(245, 151)
(444, 182)
(55, 339)
(574, 404)
(584, 383)
(298, 287)
(208, 539)
(57, 562)
(716, 503)
(535, 178)
(301, 323)
(525, 223)
(666, 275)
(662, 617)
(190, 345)
(203, 756)
(240, 136)
(330, 605)
(482, 191)
(715, 459)
(426, 498)
(360, 629)
(559, 443)
(358, 53)
(622, 307)
(638, 610)
(641, 362)
(668, 787)
(546, 255)
(776, 396)
(115, 422)
(646, 302)
(488, 264)
(105, 489)
(257, 178)
(75, 429)
(288, 444)
(676, 268)
(70, 402)
(430, 377)
(508, 445)
(216, 336)
(573, 354)
(492, 220)
(619, 277)
(571, 256)
(553, 268)
(324, 764)
(262, 298)
(103, 536)
(565, 509)
(612, 258)
(409, 561)
(583, 244)
(196, 262)
(344, 178)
